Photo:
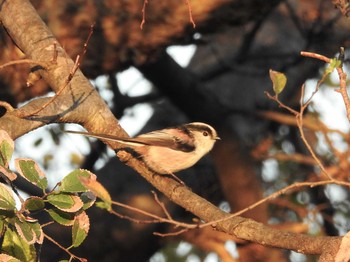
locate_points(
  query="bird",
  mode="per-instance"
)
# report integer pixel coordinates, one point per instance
(168, 150)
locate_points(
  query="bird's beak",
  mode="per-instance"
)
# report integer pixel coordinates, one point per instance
(217, 138)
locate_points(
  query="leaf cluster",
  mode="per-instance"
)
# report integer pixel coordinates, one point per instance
(66, 205)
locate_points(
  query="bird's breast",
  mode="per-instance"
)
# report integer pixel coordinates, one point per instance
(165, 160)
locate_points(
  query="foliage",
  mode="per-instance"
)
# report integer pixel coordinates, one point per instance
(279, 81)
(66, 204)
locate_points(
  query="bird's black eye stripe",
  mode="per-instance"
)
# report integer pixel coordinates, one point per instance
(206, 131)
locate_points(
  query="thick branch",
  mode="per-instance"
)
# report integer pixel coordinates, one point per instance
(38, 43)
(239, 227)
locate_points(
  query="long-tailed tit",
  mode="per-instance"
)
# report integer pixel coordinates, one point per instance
(168, 150)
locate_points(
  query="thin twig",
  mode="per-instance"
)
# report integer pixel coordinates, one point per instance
(342, 90)
(299, 118)
(316, 56)
(24, 61)
(342, 77)
(190, 13)
(280, 104)
(162, 206)
(145, 2)
(65, 249)
(171, 234)
(138, 221)
(75, 68)
(158, 218)
(275, 195)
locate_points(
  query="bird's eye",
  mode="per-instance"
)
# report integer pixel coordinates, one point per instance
(205, 133)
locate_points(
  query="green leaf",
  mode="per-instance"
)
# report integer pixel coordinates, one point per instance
(38, 232)
(65, 202)
(98, 190)
(34, 203)
(7, 201)
(63, 218)
(17, 247)
(80, 229)
(334, 63)
(31, 232)
(72, 184)
(7, 147)
(103, 205)
(279, 81)
(25, 231)
(31, 171)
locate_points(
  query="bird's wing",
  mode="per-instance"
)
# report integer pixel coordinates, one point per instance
(166, 138)
(155, 138)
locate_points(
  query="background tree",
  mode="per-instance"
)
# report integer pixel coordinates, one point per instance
(237, 43)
